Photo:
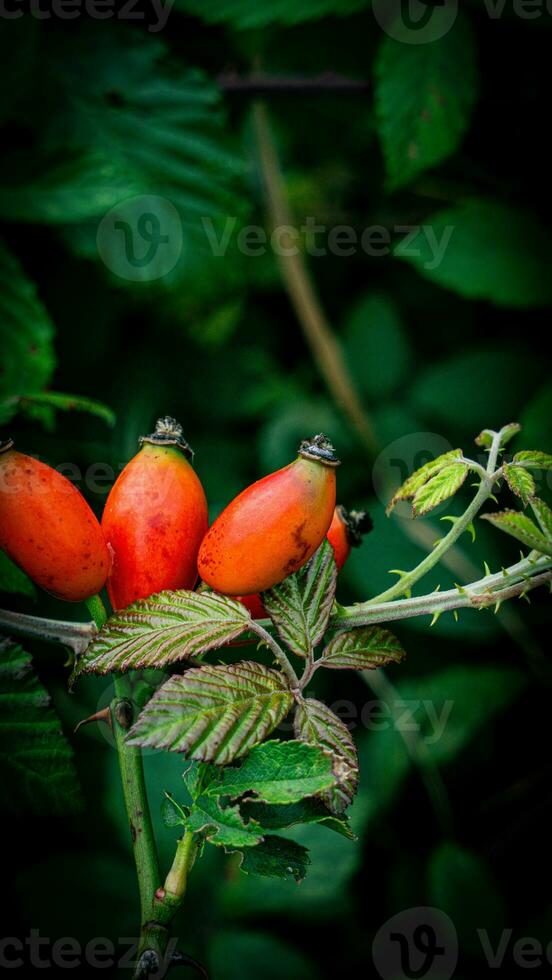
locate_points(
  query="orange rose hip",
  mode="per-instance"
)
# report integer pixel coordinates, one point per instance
(274, 526)
(48, 529)
(155, 518)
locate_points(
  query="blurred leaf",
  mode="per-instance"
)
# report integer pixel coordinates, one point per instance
(440, 487)
(376, 346)
(489, 251)
(162, 629)
(315, 723)
(67, 403)
(362, 649)
(223, 825)
(38, 773)
(247, 14)
(12, 579)
(521, 527)
(276, 857)
(266, 956)
(278, 772)
(198, 713)
(300, 606)
(310, 810)
(461, 885)
(26, 336)
(424, 98)
(520, 482)
(384, 766)
(537, 419)
(453, 704)
(500, 382)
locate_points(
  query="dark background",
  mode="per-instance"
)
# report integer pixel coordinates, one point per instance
(217, 343)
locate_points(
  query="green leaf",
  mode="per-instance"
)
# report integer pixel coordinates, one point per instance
(362, 649)
(532, 459)
(300, 606)
(417, 480)
(67, 403)
(36, 761)
(276, 857)
(12, 579)
(544, 516)
(164, 629)
(424, 96)
(376, 346)
(279, 772)
(520, 481)
(126, 121)
(480, 253)
(214, 714)
(248, 13)
(26, 336)
(521, 527)
(306, 811)
(439, 488)
(223, 825)
(315, 723)
(508, 432)
(172, 814)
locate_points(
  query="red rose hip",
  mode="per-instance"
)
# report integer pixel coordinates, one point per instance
(346, 531)
(48, 529)
(274, 526)
(155, 518)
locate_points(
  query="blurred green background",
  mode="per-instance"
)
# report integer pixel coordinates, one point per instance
(433, 134)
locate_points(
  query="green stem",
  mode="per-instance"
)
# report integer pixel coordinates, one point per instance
(135, 796)
(527, 574)
(264, 635)
(76, 636)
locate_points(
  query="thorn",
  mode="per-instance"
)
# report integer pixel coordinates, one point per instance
(437, 588)
(436, 542)
(103, 715)
(460, 588)
(498, 604)
(435, 617)
(455, 614)
(487, 569)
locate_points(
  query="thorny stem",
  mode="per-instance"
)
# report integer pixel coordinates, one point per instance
(281, 657)
(136, 799)
(488, 479)
(527, 574)
(76, 636)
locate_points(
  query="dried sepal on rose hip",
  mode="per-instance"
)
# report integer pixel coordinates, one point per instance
(155, 519)
(274, 526)
(48, 529)
(346, 532)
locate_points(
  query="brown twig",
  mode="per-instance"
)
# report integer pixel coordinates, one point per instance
(302, 293)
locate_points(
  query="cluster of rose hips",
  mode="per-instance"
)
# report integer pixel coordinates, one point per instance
(155, 535)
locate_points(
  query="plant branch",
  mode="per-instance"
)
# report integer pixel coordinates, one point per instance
(256, 627)
(136, 804)
(259, 83)
(76, 636)
(527, 574)
(406, 582)
(302, 293)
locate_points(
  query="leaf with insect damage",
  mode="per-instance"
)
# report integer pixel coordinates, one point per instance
(279, 772)
(317, 724)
